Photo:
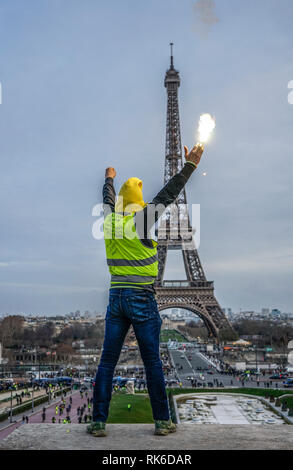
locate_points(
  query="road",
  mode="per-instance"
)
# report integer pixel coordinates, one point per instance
(189, 367)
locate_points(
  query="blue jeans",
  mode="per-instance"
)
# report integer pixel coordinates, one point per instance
(138, 308)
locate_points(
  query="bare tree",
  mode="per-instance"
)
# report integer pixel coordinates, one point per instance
(11, 329)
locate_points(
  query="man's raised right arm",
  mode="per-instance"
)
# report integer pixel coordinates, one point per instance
(109, 195)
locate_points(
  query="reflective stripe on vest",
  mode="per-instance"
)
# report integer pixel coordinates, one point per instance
(134, 279)
(132, 262)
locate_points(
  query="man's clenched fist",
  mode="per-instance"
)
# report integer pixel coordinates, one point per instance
(110, 172)
(195, 154)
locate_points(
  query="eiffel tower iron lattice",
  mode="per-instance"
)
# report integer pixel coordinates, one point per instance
(195, 294)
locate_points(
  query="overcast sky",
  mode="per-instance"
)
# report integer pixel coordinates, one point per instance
(82, 89)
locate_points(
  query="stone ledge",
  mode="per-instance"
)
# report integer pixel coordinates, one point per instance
(141, 437)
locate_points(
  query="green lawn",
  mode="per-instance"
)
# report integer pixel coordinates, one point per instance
(141, 411)
(173, 335)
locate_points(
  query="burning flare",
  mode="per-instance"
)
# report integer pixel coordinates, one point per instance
(206, 126)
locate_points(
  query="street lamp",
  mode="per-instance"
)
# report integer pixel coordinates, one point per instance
(11, 405)
(33, 398)
(256, 349)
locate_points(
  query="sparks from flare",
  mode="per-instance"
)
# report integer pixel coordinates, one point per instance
(206, 126)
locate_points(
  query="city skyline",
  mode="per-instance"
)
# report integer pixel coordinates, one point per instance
(84, 313)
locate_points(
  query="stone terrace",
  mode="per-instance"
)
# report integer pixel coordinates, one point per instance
(141, 437)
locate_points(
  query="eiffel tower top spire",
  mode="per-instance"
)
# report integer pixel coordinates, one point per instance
(172, 64)
(172, 75)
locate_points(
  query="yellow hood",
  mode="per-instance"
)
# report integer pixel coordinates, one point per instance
(130, 198)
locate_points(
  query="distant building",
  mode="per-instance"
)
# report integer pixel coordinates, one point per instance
(194, 319)
(176, 323)
(248, 314)
(265, 311)
(228, 312)
(275, 313)
(166, 325)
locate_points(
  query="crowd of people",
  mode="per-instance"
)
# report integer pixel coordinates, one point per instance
(64, 408)
(137, 375)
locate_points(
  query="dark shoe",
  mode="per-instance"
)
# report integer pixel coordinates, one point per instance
(162, 428)
(97, 429)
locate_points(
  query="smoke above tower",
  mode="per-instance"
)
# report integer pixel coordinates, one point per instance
(205, 16)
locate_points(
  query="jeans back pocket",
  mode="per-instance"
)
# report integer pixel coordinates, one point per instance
(140, 307)
(113, 309)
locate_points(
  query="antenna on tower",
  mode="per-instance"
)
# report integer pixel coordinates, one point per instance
(172, 64)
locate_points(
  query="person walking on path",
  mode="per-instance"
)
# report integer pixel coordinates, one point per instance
(132, 259)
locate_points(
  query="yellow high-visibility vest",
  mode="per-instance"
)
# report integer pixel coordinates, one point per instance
(130, 262)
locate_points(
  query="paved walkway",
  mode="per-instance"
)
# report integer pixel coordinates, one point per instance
(50, 412)
(5, 405)
(141, 436)
(7, 394)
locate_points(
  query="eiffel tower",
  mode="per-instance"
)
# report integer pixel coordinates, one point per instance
(195, 294)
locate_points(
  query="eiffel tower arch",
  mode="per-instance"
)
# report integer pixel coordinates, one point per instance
(196, 293)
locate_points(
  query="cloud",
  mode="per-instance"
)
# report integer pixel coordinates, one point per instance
(8, 264)
(261, 264)
(204, 16)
